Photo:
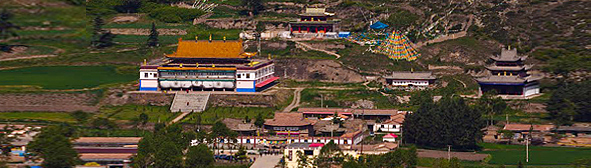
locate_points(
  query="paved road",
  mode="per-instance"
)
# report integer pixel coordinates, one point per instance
(267, 161)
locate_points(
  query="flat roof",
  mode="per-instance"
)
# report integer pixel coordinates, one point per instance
(105, 156)
(423, 75)
(388, 112)
(116, 140)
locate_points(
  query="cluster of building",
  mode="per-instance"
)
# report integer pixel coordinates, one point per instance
(315, 125)
(516, 133)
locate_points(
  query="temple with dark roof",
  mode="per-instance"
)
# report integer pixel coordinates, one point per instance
(210, 65)
(314, 20)
(509, 76)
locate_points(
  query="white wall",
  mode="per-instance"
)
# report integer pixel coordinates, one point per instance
(410, 82)
(148, 74)
(531, 90)
(387, 127)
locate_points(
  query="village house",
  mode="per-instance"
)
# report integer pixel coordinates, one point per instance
(309, 150)
(290, 124)
(394, 124)
(364, 114)
(539, 132)
(110, 152)
(421, 79)
(241, 127)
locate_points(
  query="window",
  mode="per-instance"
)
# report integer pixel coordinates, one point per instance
(308, 152)
(155, 75)
(248, 76)
(382, 126)
(238, 76)
(145, 75)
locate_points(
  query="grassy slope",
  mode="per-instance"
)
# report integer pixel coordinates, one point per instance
(64, 77)
(130, 112)
(211, 114)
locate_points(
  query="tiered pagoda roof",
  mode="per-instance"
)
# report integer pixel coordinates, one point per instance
(508, 68)
(509, 55)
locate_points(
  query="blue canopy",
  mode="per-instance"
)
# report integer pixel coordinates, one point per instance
(378, 25)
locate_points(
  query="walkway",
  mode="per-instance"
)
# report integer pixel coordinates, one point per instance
(180, 117)
(296, 100)
(266, 161)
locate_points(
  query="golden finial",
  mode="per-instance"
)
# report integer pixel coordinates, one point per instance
(181, 65)
(213, 65)
(224, 38)
(196, 65)
(196, 38)
(145, 62)
(209, 37)
(269, 56)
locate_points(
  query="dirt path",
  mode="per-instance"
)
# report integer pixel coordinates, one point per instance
(317, 49)
(296, 100)
(180, 117)
(471, 156)
(461, 82)
(28, 57)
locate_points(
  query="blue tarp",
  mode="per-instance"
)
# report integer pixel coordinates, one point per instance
(378, 25)
(344, 34)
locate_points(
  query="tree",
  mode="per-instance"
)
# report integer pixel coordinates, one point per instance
(448, 122)
(246, 119)
(444, 163)
(6, 146)
(241, 154)
(330, 154)
(254, 6)
(163, 148)
(302, 160)
(129, 6)
(54, 146)
(259, 122)
(199, 156)
(143, 118)
(101, 38)
(7, 29)
(153, 38)
(582, 163)
(570, 102)
(103, 123)
(491, 104)
(399, 158)
(80, 116)
(519, 165)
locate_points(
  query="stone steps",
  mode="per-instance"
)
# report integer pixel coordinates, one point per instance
(189, 102)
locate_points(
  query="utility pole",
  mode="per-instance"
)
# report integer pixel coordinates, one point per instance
(507, 118)
(448, 152)
(321, 101)
(527, 149)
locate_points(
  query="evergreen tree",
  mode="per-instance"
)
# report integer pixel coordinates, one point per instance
(330, 154)
(7, 29)
(143, 118)
(153, 38)
(101, 38)
(54, 146)
(570, 102)
(199, 156)
(302, 159)
(259, 122)
(254, 6)
(448, 122)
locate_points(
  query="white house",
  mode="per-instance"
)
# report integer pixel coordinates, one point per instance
(394, 124)
(405, 78)
(308, 149)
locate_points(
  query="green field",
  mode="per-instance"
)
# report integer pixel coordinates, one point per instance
(64, 77)
(40, 116)
(512, 154)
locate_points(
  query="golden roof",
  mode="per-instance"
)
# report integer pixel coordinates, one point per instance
(210, 49)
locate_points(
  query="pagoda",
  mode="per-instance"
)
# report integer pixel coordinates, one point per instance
(314, 20)
(509, 76)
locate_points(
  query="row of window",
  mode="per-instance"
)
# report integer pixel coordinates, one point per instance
(286, 128)
(410, 82)
(148, 74)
